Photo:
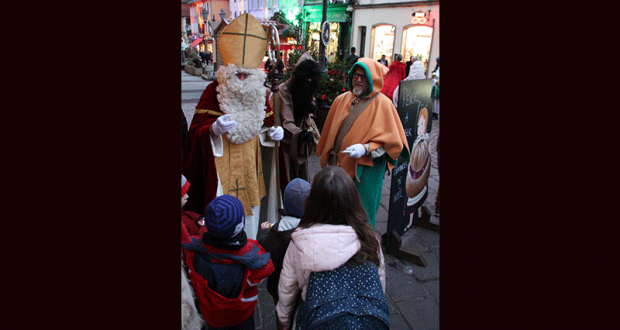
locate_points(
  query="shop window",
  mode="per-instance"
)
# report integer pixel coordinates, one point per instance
(417, 42)
(333, 39)
(314, 29)
(382, 41)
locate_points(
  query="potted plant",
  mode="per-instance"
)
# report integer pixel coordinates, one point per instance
(194, 65)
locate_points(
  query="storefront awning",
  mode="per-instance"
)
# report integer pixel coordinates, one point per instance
(337, 14)
(286, 46)
(195, 42)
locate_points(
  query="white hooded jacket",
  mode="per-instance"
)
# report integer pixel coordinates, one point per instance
(318, 248)
(416, 71)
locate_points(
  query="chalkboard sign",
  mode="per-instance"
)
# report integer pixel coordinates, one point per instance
(409, 187)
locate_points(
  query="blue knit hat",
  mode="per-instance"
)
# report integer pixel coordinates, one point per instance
(294, 196)
(224, 216)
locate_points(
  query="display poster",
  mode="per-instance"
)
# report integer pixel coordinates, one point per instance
(409, 186)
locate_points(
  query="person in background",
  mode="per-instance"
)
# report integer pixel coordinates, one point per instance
(408, 65)
(203, 56)
(279, 67)
(383, 61)
(192, 224)
(331, 58)
(416, 71)
(332, 232)
(372, 137)
(435, 94)
(436, 65)
(395, 74)
(352, 58)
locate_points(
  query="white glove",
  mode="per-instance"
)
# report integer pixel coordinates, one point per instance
(356, 151)
(276, 133)
(223, 124)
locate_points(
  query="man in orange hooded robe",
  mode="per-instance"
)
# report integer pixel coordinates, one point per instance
(369, 141)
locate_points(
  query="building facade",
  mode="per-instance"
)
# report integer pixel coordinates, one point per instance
(304, 13)
(265, 9)
(196, 27)
(185, 20)
(388, 27)
(373, 27)
(338, 14)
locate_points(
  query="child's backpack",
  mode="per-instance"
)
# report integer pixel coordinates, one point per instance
(348, 297)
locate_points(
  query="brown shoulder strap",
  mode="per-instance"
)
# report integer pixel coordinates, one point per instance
(356, 110)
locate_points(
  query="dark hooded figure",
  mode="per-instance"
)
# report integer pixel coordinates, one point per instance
(305, 84)
(297, 109)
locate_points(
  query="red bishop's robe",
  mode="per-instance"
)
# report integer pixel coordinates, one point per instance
(395, 74)
(198, 163)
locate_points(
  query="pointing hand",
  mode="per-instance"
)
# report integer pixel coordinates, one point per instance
(356, 151)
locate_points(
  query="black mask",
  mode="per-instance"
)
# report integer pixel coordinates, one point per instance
(302, 93)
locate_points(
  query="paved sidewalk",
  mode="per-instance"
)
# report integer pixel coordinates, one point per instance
(412, 291)
(191, 89)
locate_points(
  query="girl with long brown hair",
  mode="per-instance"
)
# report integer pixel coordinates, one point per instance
(333, 231)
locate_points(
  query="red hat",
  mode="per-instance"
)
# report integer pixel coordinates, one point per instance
(184, 185)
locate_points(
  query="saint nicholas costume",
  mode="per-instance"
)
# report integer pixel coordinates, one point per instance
(231, 163)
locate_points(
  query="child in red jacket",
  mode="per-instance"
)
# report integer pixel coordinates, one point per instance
(192, 224)
(225, 267)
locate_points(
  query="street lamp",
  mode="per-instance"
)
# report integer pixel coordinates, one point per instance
(205, 17)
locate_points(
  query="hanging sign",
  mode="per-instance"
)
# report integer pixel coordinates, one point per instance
(409, 187)
(325, 31)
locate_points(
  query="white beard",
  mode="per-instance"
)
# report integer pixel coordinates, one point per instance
(358, 90)
(243, 99)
